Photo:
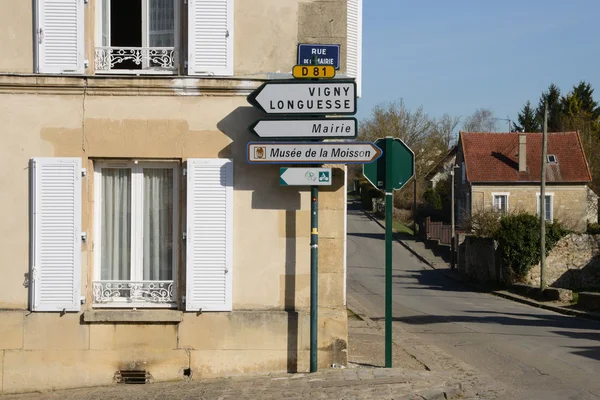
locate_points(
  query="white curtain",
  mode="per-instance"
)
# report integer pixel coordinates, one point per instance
(158, 224)
(116, 224)
(162, 23)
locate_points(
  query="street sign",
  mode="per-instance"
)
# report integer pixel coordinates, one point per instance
(335, 96)
(403, 165)
(321, 71)
(312, 153)
(326, 128)
(305, 176)
(327, 54)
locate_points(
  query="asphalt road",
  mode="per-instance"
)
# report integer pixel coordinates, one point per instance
(536, 353)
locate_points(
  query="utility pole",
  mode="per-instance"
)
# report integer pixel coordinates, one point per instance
(452, 233)
(543, 202)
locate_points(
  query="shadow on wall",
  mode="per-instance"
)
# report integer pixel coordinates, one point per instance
(263, 181)
(584, 279)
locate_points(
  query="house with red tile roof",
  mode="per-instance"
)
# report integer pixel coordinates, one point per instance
(502, 171)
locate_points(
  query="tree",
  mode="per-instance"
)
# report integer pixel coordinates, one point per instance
(527, 119)
(417, 130)
(445, 127)
(482, 120)
(581, 113)
(552, 98)
(585, 94)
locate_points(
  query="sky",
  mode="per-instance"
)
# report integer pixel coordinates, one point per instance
(454, 56)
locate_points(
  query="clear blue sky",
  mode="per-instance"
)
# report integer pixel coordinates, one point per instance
(453, 56)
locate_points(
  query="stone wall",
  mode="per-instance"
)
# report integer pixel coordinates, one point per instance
(574, 263)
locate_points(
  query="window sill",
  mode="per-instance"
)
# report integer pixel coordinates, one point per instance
(163, 316)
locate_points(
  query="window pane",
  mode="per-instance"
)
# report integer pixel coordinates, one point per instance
(115, 252)
(548, 209)
(158, 224)
(162, 23)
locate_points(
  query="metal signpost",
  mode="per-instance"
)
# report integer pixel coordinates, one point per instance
(316, 99)
(390, 172)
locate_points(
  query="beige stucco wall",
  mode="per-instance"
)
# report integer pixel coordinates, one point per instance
(569, 207)
(266, 33)
(16, 31)
(268, 329)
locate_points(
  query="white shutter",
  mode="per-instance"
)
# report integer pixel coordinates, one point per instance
(209, 234)
(56, 234)
(210, 37)
(59, 36)
(354, 43)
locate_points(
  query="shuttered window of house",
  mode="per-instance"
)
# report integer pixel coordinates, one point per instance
(210, 37)
(55, 234)
(59, 36)
(209, 235)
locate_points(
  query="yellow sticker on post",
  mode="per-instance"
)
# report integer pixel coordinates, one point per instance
(313, 71)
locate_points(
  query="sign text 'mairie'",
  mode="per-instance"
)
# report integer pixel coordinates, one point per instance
(299, 97)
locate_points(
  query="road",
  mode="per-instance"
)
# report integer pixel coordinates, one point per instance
(536, 354)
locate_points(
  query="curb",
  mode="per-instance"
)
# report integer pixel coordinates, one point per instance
(499, 293)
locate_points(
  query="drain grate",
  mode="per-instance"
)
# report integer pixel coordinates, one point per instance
(133, 376)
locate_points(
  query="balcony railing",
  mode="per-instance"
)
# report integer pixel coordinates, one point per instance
(136, 60)
(129, 293)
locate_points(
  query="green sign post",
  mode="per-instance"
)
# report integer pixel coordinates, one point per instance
(390, 172)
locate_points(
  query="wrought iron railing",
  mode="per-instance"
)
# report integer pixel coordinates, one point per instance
(142, 292)
(136, 60)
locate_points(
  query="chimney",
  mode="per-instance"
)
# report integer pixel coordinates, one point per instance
(522, 152)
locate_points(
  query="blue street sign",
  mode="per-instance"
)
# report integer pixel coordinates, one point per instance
(327, 54)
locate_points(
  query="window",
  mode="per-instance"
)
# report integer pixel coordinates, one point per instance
(137, 35)
(136, 233)
(500, 202)
(463, 171)
(548, 206)
(552, 159)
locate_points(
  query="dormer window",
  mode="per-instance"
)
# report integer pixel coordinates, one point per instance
(552, 159)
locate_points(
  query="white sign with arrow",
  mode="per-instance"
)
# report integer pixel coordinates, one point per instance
(305, 176)
(335, 96)
(312, 153)
(326, 128)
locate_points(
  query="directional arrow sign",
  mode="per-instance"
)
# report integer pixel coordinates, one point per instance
(312, 153)
(328, 128)
(305, 176)
(335, 96)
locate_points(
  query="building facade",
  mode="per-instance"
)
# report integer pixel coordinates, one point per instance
(502, 172)
(136, 237)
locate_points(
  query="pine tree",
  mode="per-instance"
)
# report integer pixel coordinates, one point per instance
(585, 95)
(553, 99)
(527, 118)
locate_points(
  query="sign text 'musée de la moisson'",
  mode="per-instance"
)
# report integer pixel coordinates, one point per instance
(330, 152)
